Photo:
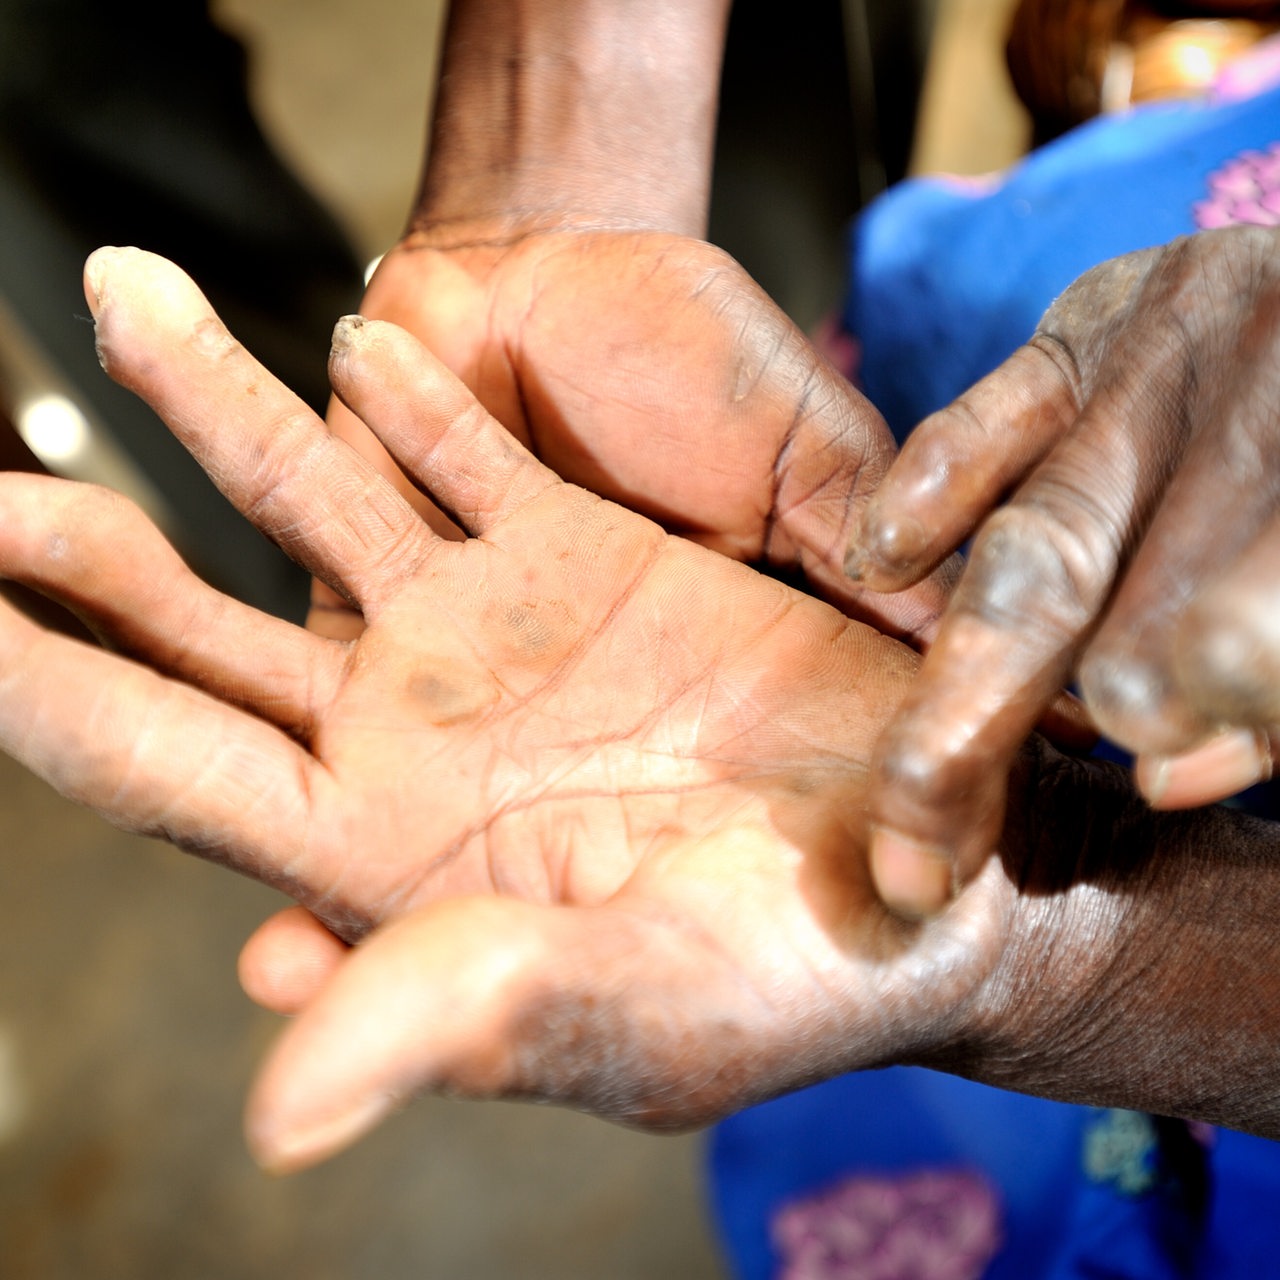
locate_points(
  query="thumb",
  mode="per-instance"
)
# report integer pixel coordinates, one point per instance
(836, 454)
(485, 997)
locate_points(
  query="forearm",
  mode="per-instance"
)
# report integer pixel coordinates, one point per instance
(1144, 970)
(568, 112)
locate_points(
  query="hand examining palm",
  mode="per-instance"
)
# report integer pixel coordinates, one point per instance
(590, 794)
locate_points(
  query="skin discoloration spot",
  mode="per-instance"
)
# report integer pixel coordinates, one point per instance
(537, 626)
(531, 630)
(447, 700)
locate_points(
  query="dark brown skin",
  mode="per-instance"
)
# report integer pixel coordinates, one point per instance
(652, 370)
(589, 795)
(554, 263)
(1119, 471)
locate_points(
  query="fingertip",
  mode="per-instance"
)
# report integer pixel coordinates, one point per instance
(914, 879)
(281, 1142)
(135, 296)
(96, 267)
(375, 366)
(369, 1041)
(889, 553)
(345, 334)
(1226, 655)
(107, 260)
(288, 961)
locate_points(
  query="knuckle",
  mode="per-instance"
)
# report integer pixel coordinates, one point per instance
(929, 766)
(1066, 356)
(1130, 689)
(1227, 659)
(97, 514)
(210, 339)
(1032, 566)
(1124, 690)
(934, 437)
(290, 446)
(1096, 299)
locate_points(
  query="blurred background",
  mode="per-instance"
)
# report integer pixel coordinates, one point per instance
(271, 147)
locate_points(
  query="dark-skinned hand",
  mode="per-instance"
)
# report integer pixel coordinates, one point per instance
(1119, 473)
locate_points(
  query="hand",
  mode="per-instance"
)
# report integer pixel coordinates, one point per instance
(589, 793)
(1135, 432)
(652, 370)
(554, 265)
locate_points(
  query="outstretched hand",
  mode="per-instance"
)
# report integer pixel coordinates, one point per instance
(650, 369)
(1136, 431)
(589, 795)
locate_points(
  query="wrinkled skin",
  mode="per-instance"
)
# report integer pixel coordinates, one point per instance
(587, 797)
(1136, 435)
(650, 369)
(590, 794)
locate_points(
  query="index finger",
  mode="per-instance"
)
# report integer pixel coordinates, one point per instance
(939, 772)
(264, 448)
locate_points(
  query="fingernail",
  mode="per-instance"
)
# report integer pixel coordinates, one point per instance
(890, 551)
(1151, 773)
(289, 1149)
(913, 879)
(344, 331)
(1218, 768)
(95, 269)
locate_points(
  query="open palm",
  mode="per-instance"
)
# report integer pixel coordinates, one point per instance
(596, 791)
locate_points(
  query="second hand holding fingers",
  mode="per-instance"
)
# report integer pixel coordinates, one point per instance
(1144, 344)
(939, 770)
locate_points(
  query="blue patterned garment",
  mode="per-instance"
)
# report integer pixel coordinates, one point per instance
(907, 1174)
(911, 1175)
(950, 276)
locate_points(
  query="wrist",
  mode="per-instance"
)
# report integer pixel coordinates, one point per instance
(553, 114)
(1141, 954)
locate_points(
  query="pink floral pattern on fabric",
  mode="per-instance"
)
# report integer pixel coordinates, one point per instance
(1244, 192)
(1250, 74)
(930, 1225)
